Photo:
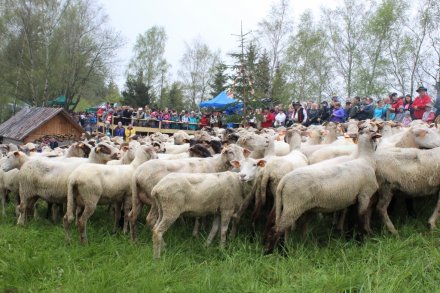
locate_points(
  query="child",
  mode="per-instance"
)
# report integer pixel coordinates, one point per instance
(406, 121)
(400, 114)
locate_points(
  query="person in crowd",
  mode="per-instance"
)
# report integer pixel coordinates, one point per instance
(119, 130)
(338, 114)
(366, 110)
(387, 105)
(53, 143)
(100, 113)
(347, 110)
(325, 112)
(420, 102)
(407, 104)
(109, 116)
(129, 132)
(126, 115)
(280, 118)
(429, 115)
(314, 115)
(380, 111)
(175, 119)
(215, 119)
(300, 114)
(193, 121)
(268, 119)
(400, 114)
(166, 118)
(406, 121)
(355, 108)
(203, 121)
(185, 120)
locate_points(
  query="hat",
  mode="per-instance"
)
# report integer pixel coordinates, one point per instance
(140, 109)
(422, 88)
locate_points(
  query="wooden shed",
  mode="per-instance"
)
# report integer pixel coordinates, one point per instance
(33, 123)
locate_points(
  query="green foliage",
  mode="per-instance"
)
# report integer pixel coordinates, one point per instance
(35, 258)
(136, 92)
(51, 48)
(220, 80)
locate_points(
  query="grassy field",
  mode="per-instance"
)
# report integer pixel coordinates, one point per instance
(35, 258)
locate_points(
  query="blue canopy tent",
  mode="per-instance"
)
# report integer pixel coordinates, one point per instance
(222, 102)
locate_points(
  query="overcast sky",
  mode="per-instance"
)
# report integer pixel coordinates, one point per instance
(214, 21)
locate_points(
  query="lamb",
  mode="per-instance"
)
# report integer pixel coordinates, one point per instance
(47, 179)
(127, 154)
(262, 146)
(325, 188)
(151, 172)
(92, 184)
(201, 194)
(10, 184)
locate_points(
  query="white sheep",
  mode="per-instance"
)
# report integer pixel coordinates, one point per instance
(47, 179)
(415, 172)
(93, 184)
(326, 188)
(201, 194)
(151, 172)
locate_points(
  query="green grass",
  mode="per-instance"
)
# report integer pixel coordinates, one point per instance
(35, 258)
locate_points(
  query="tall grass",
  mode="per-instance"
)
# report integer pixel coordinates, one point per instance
(35, 258)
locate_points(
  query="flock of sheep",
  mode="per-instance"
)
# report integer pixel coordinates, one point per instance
(219, 172)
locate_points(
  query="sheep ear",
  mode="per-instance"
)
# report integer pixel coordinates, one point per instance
(246, 153)
(98, 150)
(186, 140)
(125, 148)
(80, 145)
(355, 139)
(261, 163)
(235, 164)
(16, 153)
(421, 133)
(376, 136)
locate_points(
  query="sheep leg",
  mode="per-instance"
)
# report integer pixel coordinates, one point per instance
(225, 219)
(17, 203)
(434, 215)
(385, 196)
(116, 216)
(89, 209)
(195, 232)
(49, 211)
(364, 200)
(152, 215)
(341, 220)
(127, 206)
(4, 195)
(133, 215)
(158, 232)
(55, 210)
(270, 223)
(214, 229)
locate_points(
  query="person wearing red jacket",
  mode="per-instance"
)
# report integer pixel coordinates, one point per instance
(268, 118)
(420, 102)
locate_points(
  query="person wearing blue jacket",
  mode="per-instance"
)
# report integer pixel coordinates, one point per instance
(338, 114)
(119, 130)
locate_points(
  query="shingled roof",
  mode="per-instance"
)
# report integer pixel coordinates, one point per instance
(27, 120)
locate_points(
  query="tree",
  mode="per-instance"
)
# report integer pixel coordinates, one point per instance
(220, 79)
(346, 34)
(149, 58)
(307, 61)
(275, 30)
(136, 92)
(261, 76)
(57, 48)
(175, 97)
(197, 70)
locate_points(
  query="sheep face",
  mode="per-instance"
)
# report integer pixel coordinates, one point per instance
(426, 138)
(107, 151)
(233, 153)
(248, 168)
(254, 142)
(12, 161)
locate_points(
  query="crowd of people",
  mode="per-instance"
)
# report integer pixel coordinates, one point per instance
(401, 109)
